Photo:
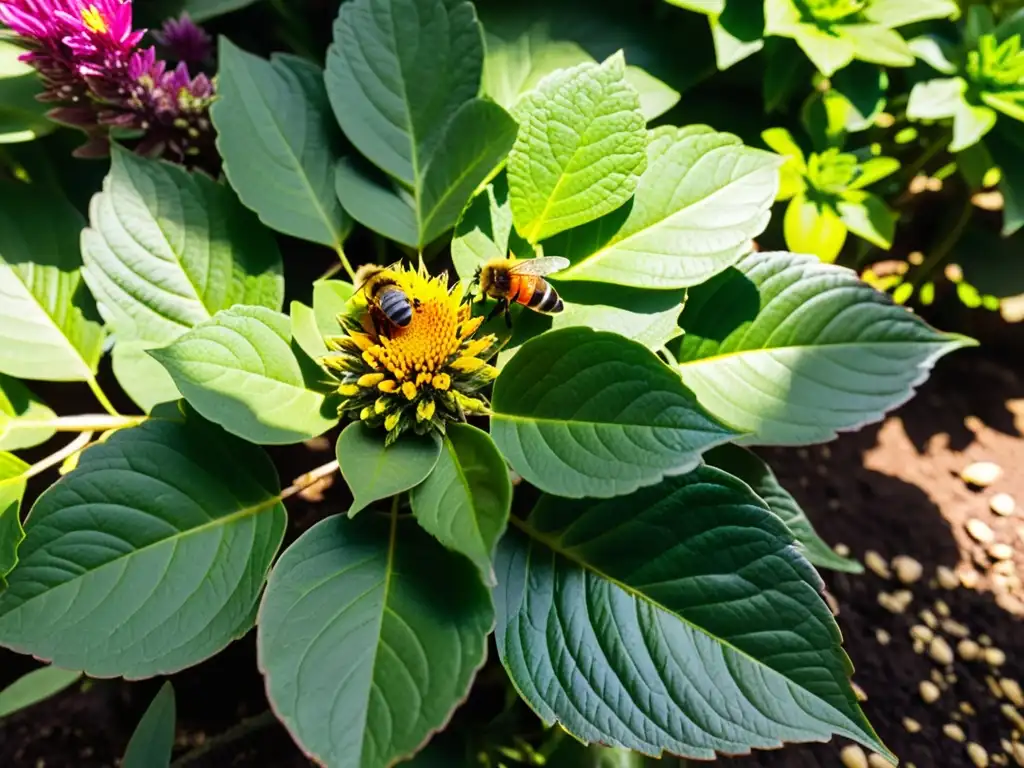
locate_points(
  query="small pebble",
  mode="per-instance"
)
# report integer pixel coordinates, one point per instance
(970, 578)
(1012, 690)
(1005, 568)
(875, 760)
(858, 692)
(954, 628)
(1002, 504)
(1011, 714)
(922, 633)
(994, 657)
(979, 531)
(1001, 551)
(968, 650)
(941, 608)
(947, 577)
(908, 570)
(831, 602)
(929, 691)
(981, 473)
(937, 678)
(853, 756)
(911, 725)
(993, 686)
(842, 550)
(876, 564)
(896, 602)
(955, 732)
(950, 678)
(985, 640)
(977, 754)
(939, 650)
(882, 637)
(918, 646)
(1018, 753)
(967, 708)
(1007, 746)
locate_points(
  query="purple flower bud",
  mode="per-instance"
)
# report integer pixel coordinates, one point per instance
(185, 40)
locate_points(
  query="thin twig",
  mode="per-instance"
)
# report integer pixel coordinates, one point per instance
(90, 422)
(308, 479)
(236, 732)
(101, 396)
(53, 459)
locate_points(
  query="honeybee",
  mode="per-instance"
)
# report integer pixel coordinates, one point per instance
(382, 291)
(521, 281)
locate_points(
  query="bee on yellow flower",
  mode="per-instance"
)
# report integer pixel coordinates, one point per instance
(415, 376)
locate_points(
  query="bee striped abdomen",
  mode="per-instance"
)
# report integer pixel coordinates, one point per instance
(395, 305)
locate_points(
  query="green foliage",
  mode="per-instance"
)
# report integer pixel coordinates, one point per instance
(20, 415)
(153, 740)
(35, 686)
(12, 489)
(22, 116)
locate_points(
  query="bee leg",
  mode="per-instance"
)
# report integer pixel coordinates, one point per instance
(497, 309)
(508, 315)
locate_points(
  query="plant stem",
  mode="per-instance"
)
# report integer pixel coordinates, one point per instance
(345, 263)
(244, 728)
(101, 397)
(95, 422)
(942, 250)
(306, 480)
(56, 458)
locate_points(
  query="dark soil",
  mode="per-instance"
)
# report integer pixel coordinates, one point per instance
(893, 488)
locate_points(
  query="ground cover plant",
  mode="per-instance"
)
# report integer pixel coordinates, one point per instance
(574, 489)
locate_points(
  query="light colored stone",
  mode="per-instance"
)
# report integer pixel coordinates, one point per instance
(967, 708)
(895, 602)
(1001, 551)
(947, 577)
(908, 570)
(970, 578)
(875, 760)
(833, 604)
(954, 628)
(993, 687)
(939, 650)
(955, 732)
(981, 473)
(977, 754)
(922, 633)
(852, 756)
(995, 657)
(937, 678)
(1010, 713)
(929, 618)
(941, 608)
(968, 650)
(911, 725)
(985, 640)
(918, 646)
(929, 691)
(1005, 568)
(1013, 691)
(842, 550)
(876, 564)
(1018, 753)
(858, 692)
(1002, 504)
(882, 636)
(980, 531)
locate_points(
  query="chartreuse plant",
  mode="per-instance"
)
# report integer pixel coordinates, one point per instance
(985, 78)
(827, 198)
(654, 588)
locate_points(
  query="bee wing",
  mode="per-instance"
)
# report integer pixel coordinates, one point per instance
(541, 266)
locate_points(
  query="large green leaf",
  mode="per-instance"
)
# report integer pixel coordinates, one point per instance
(35, 686)
(589, 413)
(201, 10)
(22, 116)
(465, 500)
(403, 78)
(167, 249)
(49, 328)
(745, 465)
(485, 230)
(702, 199)
(241, 370)
(370, 634)
(794, 351)
(279, 142)
(654, 330)
(153, 740)
(580, 149)
(142, 378)
(375, 471)
(12, 489)
(150, 556)
(679, 619)
(19, 409)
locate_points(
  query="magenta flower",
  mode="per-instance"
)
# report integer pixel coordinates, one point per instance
(86, 54)
(185, 40)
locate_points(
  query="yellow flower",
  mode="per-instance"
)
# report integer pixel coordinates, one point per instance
(418, 376)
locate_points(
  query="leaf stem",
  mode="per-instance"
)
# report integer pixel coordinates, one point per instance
(93, 422)
(56, 458)
(101, 396)
(344, 262)
(241, 730)
(303, 482)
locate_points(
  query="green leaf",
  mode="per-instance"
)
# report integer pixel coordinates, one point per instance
(279, 142)
(708, 637)
(329, 300)
(153, 740)
(400, 622)
(936, 52)
(142, 378)
(970, 124)
(18, 409)
(588, 413)
(745, 465)
(201, 10)
(935, 99)
(49, 328)
(241, 370)
(795, 351)
(22, 116)
(485, 230)
(35, 686)
(654, 330)
(1007, 147)
(164, 534)
(878, 45)
(305, 332)
(656, 97)
(403, 77)
(167, 249)
(374, 471)
(737, 32)
(867, 216)
(465, 501)
(813, 227)
(580, 149)
(873, 170)
(702, 199)
(12, 489)
(899, 13)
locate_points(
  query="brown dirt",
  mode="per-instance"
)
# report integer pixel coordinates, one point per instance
(893, 488)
